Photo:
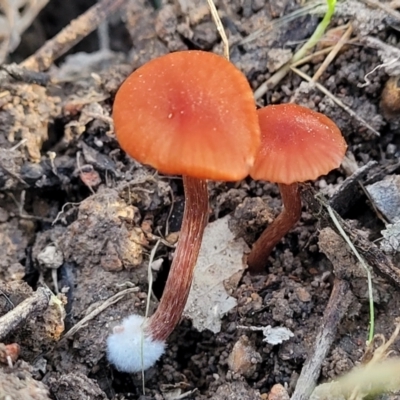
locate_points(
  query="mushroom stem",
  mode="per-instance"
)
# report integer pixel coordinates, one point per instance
(290, 214)
(173, 301)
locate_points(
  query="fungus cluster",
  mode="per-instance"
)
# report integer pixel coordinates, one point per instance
(193, 113)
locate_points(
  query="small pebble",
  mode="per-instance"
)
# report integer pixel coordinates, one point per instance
(391, 149)
(243, 359)
(390, 99)
(303, 295)
(278, 392)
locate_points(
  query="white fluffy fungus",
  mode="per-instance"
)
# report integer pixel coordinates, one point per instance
(125, 346)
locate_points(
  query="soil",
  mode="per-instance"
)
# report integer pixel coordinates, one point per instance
(75, 210)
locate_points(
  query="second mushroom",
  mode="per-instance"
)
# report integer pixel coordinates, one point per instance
(297, 145)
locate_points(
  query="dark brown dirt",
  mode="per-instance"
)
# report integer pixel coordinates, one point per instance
(65, 184)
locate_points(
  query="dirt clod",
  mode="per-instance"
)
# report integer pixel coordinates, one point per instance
(243, 359)
(75, 386)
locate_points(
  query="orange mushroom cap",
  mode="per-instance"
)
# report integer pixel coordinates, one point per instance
(189, 113)
(297, 144)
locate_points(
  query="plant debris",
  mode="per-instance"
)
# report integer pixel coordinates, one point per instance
(218, 270)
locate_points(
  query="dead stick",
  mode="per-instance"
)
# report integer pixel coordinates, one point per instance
(337, 306)
(384, 7)
(335, 99)
(35, 304)
(78, 29)
(335, 51)
(379, 261)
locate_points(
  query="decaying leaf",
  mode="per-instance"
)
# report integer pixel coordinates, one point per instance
(221, 257)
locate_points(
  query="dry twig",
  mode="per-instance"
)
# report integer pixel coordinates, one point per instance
(72, 34)
(33, 305)
(318, 53)
(334, 52)
(24, 75)
(337, 306)
(383, 6)
(369, 251)
(112, 300)
(220, 27)
(18, 16)
(325, 91)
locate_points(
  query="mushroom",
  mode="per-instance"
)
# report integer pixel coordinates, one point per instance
(190, 113)
(297, 144)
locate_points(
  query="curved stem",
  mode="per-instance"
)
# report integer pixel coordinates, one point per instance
(272, 235)
(176, 291)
